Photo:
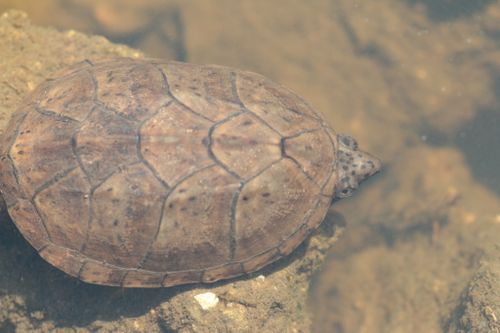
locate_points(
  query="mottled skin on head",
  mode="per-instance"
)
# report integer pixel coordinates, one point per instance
(353, 166)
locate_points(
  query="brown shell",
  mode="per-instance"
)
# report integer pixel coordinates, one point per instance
(145, 173)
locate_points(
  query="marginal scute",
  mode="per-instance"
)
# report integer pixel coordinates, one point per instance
(136, 91)
(261, 260)
(271, 207)
(11, 132)
(173, 143)
(291, 243)
(223, 272)
(329, 186)
(315, 153)
(196, 222)
(175, 278)
(69, 261)
(245, 145)
(71, 96)
(65, 207)
(143, 279)
(319, 212)
(285, 114)
(42, 152)
(100, 273)
(10, 188)
(29, 223)
(71, 69)
(126, 211)
(207, 90)
(105, 142)
(312, 221)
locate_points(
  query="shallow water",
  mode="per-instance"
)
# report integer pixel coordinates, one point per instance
(416, 82)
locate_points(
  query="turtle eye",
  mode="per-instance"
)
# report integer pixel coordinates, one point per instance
(349, 141)
(346, 192)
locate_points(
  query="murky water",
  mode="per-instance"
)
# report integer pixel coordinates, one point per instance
(416, 82)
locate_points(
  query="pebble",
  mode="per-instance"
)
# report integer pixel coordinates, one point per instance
(207, 300)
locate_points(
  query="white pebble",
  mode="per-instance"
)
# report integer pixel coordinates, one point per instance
(207, 300)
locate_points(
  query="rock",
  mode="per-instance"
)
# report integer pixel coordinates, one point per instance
(207, 300)
(479, 308)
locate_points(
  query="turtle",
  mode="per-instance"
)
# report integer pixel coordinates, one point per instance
(153, 173)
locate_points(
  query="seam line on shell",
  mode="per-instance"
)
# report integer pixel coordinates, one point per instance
(42, 187)
(80, 270)
(263, 170)
(235, 78)
(210, 144)
(37, 211)
(43, 247)
(9, 149)
(54, 180)
(74, 146)
(139, 147)
(301, 168)
(94, 83)
(171, 94)
(172, 189)
(91, 197)
(232, 223)
(334, 165)
(310, 130)
(55, 115)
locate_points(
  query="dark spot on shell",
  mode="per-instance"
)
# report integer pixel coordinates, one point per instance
(266, 194)
(245, 198)
(247, 123)
(193, 198)
(171, 205)
(115, 222)
(182, 190)
(353, 173)
(183, 209)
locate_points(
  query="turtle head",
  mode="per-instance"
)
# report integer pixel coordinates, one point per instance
(353, 166)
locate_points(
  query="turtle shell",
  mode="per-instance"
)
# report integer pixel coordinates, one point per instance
(147, 173)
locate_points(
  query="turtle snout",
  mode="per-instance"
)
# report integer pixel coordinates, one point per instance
(354, 166)
(364, 166)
